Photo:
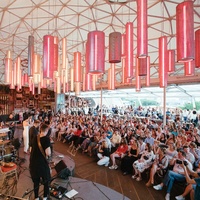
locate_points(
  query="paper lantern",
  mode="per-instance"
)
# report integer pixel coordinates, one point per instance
(185, 31)
(197, 48)
(115, 47)
(163, 61)
(137, 77)
(147, 79)
(129, 50)
(142, 66)
(64, 53)
(77, 67)
(96, 52)
(142, 29)
(171, 66)
(189, 68)
(30, 55)
(8, 70)
(48, 56)
(55, 55)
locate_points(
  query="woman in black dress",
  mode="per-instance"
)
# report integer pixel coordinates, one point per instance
(130, 158)
(39, 168)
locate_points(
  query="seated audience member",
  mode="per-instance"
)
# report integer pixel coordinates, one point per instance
(189, 156)
(115, 139)
(160, 166)
(75, 137)
(162, 138)
(62, 130)
(171, 152)
(177, 174)
(143, 163)
(149, 139)
(119, 153)
(104, 154)
(142, 146)
(196, 152)
(191, 187)
(128, 160)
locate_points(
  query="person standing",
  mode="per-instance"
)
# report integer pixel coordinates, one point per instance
(27, 123)
(33, 132)
(39, 168)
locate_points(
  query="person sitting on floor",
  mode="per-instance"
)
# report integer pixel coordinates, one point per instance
(104, 154)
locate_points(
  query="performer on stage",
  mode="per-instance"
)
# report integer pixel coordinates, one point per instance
(39, 167)
(11, 123)
(26, 125)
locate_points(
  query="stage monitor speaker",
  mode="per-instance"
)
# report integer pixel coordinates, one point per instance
(62, 171)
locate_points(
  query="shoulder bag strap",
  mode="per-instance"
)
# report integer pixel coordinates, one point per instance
(40, 146)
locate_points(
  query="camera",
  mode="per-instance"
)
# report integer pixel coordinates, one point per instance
(178, 161)
(185, 163)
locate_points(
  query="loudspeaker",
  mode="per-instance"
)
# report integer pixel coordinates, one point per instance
(62, 171)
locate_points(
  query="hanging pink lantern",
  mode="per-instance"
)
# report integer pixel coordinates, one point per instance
(77, 88)
(171, 66)
(111, 77)
(8, 70)
(96, 52)
(56, 56)
(12, 85)
(163, 61)
(123, 45)
(25, 79)
(142, 66)
(115, 47)
(64, 53)
(88, 82)
(137, 78)
(185, 31)
(129, 51)
(77, 66)
(48, 56)
(197, 48)
(148, 72)
(30, 55)
(142, 29)
(189, 68)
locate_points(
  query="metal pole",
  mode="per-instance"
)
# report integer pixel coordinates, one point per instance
(101, 102)
(164, 106)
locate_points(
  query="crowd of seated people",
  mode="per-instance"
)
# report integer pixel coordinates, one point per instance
(140, 142)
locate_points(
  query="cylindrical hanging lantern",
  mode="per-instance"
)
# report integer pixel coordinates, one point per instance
(77, 88)
(96, 52)
(25, 79)
(88, 82)
(64, 53)
(148, 72)
(12, 85)
(9, 54)
(189, 68)
(56, 57)
(94, 78)
(142, 29)
(111, 77)
(171, 66)
(123, 45)
(77, 66)
(30, 55)
(115, 47)
(33, 89)
(137, 77)
(37, 64)
(142, 66)
(48, 56)
(123, 70)
(129, 50)
(8, 70)
(185, 31)
(197, 48)
(72, 79)
(58, 85)
(163, 61)
(30, 84)
(18, 69)
(36, 79)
